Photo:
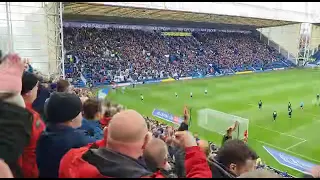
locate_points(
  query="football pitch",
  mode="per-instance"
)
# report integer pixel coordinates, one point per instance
(239, 95)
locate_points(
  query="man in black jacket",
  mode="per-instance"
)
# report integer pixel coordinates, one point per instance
(233, 159)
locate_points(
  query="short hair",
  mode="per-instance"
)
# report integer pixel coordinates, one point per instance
(235, 151)
(62, 85)
(90, 108)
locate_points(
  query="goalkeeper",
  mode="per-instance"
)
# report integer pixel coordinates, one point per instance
(230, 130)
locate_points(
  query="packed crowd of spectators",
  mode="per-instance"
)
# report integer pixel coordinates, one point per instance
(104, 55)
(53, 130)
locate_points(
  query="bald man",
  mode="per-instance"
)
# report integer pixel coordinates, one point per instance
(127, 137)
(156, 157)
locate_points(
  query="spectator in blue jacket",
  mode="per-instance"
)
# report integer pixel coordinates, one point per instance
(64, 117)
(92, 114)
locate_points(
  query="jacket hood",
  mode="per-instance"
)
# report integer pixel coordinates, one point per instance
(218, 170)
(113, 164)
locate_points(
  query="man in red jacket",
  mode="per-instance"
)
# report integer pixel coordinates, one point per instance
(127, 137)
(27, 161)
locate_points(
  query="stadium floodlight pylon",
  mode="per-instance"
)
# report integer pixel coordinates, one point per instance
(218, 122)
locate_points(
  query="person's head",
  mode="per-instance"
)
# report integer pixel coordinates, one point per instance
(63, 86)
(92, 109)
(204, 146)
(155, 154)
(260, 173)
(30, 84)
(64, 108)
(237, 157)
(128, 133)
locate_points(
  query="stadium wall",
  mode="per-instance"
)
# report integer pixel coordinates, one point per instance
(287, 37)
(315, 37)
(23, 30)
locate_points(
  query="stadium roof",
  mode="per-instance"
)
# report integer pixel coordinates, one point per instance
(100, 12)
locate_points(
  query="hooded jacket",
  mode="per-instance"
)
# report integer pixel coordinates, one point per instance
(218, 170)
(101, 163)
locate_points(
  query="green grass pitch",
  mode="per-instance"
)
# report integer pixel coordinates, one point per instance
(239, 95)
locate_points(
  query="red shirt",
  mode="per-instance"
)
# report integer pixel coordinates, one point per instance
(104, 122)
(27, 161)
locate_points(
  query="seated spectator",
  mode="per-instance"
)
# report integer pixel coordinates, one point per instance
(260, 173)
(61, 134)
(233, 159)
(15, 120)
(29, 93)
(124, 150)
(90, 122)
(156, 157)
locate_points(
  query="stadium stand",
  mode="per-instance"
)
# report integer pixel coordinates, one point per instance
(108, 110)
(102, 55)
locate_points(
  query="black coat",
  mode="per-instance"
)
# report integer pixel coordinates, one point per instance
(15, 133)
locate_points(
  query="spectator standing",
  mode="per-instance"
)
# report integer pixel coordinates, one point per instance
(124, 150)
(92, 115)
(233, 159)
(29, 93)
(15, 120)
(64, 117)
(156, 157)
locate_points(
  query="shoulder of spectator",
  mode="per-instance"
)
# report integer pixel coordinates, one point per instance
(196, 163)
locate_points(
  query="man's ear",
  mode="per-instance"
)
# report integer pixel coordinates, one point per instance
(233, 167)
(147, 139)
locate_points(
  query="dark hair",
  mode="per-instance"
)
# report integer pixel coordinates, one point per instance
(235, 151)
(90, 108)
(62, 85)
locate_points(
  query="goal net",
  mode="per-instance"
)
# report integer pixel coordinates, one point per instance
(219, 122)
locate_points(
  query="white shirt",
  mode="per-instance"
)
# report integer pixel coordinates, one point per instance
(191, 94)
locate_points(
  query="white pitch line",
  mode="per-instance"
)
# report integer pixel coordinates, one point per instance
(296, 154)
(289, 135)
(296, 144)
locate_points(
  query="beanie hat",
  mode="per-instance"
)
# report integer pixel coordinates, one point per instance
(63, 107)
(29, 81)
(11, 69)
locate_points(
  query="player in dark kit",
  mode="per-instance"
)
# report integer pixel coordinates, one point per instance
(318, 97)
(289, 106)
(260, 104)
(274, 115)
(290, 113)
